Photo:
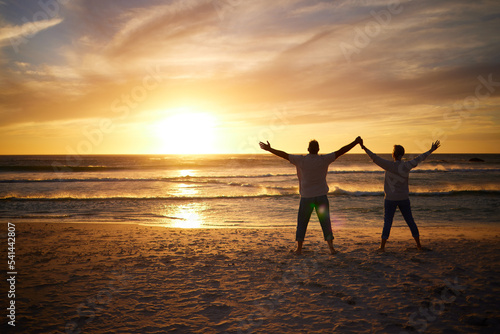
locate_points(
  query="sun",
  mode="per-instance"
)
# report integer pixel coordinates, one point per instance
(187, 132)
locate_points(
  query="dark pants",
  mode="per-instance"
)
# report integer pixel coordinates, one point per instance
(322, 207)
(405, 208)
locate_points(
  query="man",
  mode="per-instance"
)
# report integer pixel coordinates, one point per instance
(396, 188)
(311, 171)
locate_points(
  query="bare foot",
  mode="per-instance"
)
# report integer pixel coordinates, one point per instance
(330, 245)
(296, 252)
(381, 250)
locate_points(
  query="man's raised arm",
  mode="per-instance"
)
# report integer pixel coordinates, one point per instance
(348, 147)
(267, 147)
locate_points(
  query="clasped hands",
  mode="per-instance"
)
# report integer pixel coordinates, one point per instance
(359, 141)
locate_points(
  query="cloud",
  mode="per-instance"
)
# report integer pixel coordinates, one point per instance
(16, 35)
(162, 26)
(256, 57)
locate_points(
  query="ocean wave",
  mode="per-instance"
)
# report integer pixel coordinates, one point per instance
(268, 193)
(422, 170)
(221, 179)
(342, 192)
(182, 179)
(62, 169)
(132, 198)
(457, 193)
(455, 170)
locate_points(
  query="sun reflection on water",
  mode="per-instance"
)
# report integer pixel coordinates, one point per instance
(187, 216)
(186, 190)
(189, 219)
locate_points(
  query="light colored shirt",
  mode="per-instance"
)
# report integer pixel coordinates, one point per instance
(311, 171)
(396, 174)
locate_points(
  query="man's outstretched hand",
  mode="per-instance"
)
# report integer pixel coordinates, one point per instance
(435, 145)
(265, 146)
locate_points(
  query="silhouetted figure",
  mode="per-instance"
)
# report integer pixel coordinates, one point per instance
(396, 188)
(311, 171)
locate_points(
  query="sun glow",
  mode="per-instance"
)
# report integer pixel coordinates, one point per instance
(187, 216)
(188, 219)
(187, 132)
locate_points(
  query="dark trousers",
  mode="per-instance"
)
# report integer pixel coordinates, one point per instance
(322, 207)
(390, 209)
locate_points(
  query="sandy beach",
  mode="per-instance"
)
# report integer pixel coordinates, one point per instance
(97, 278)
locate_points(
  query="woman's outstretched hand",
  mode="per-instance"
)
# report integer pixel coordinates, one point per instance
(435, 145)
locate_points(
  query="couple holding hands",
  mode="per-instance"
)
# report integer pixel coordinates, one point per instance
(313, 188)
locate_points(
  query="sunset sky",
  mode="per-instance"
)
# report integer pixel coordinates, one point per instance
(218, 76)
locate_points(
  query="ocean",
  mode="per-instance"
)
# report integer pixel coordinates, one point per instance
(258, 191)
